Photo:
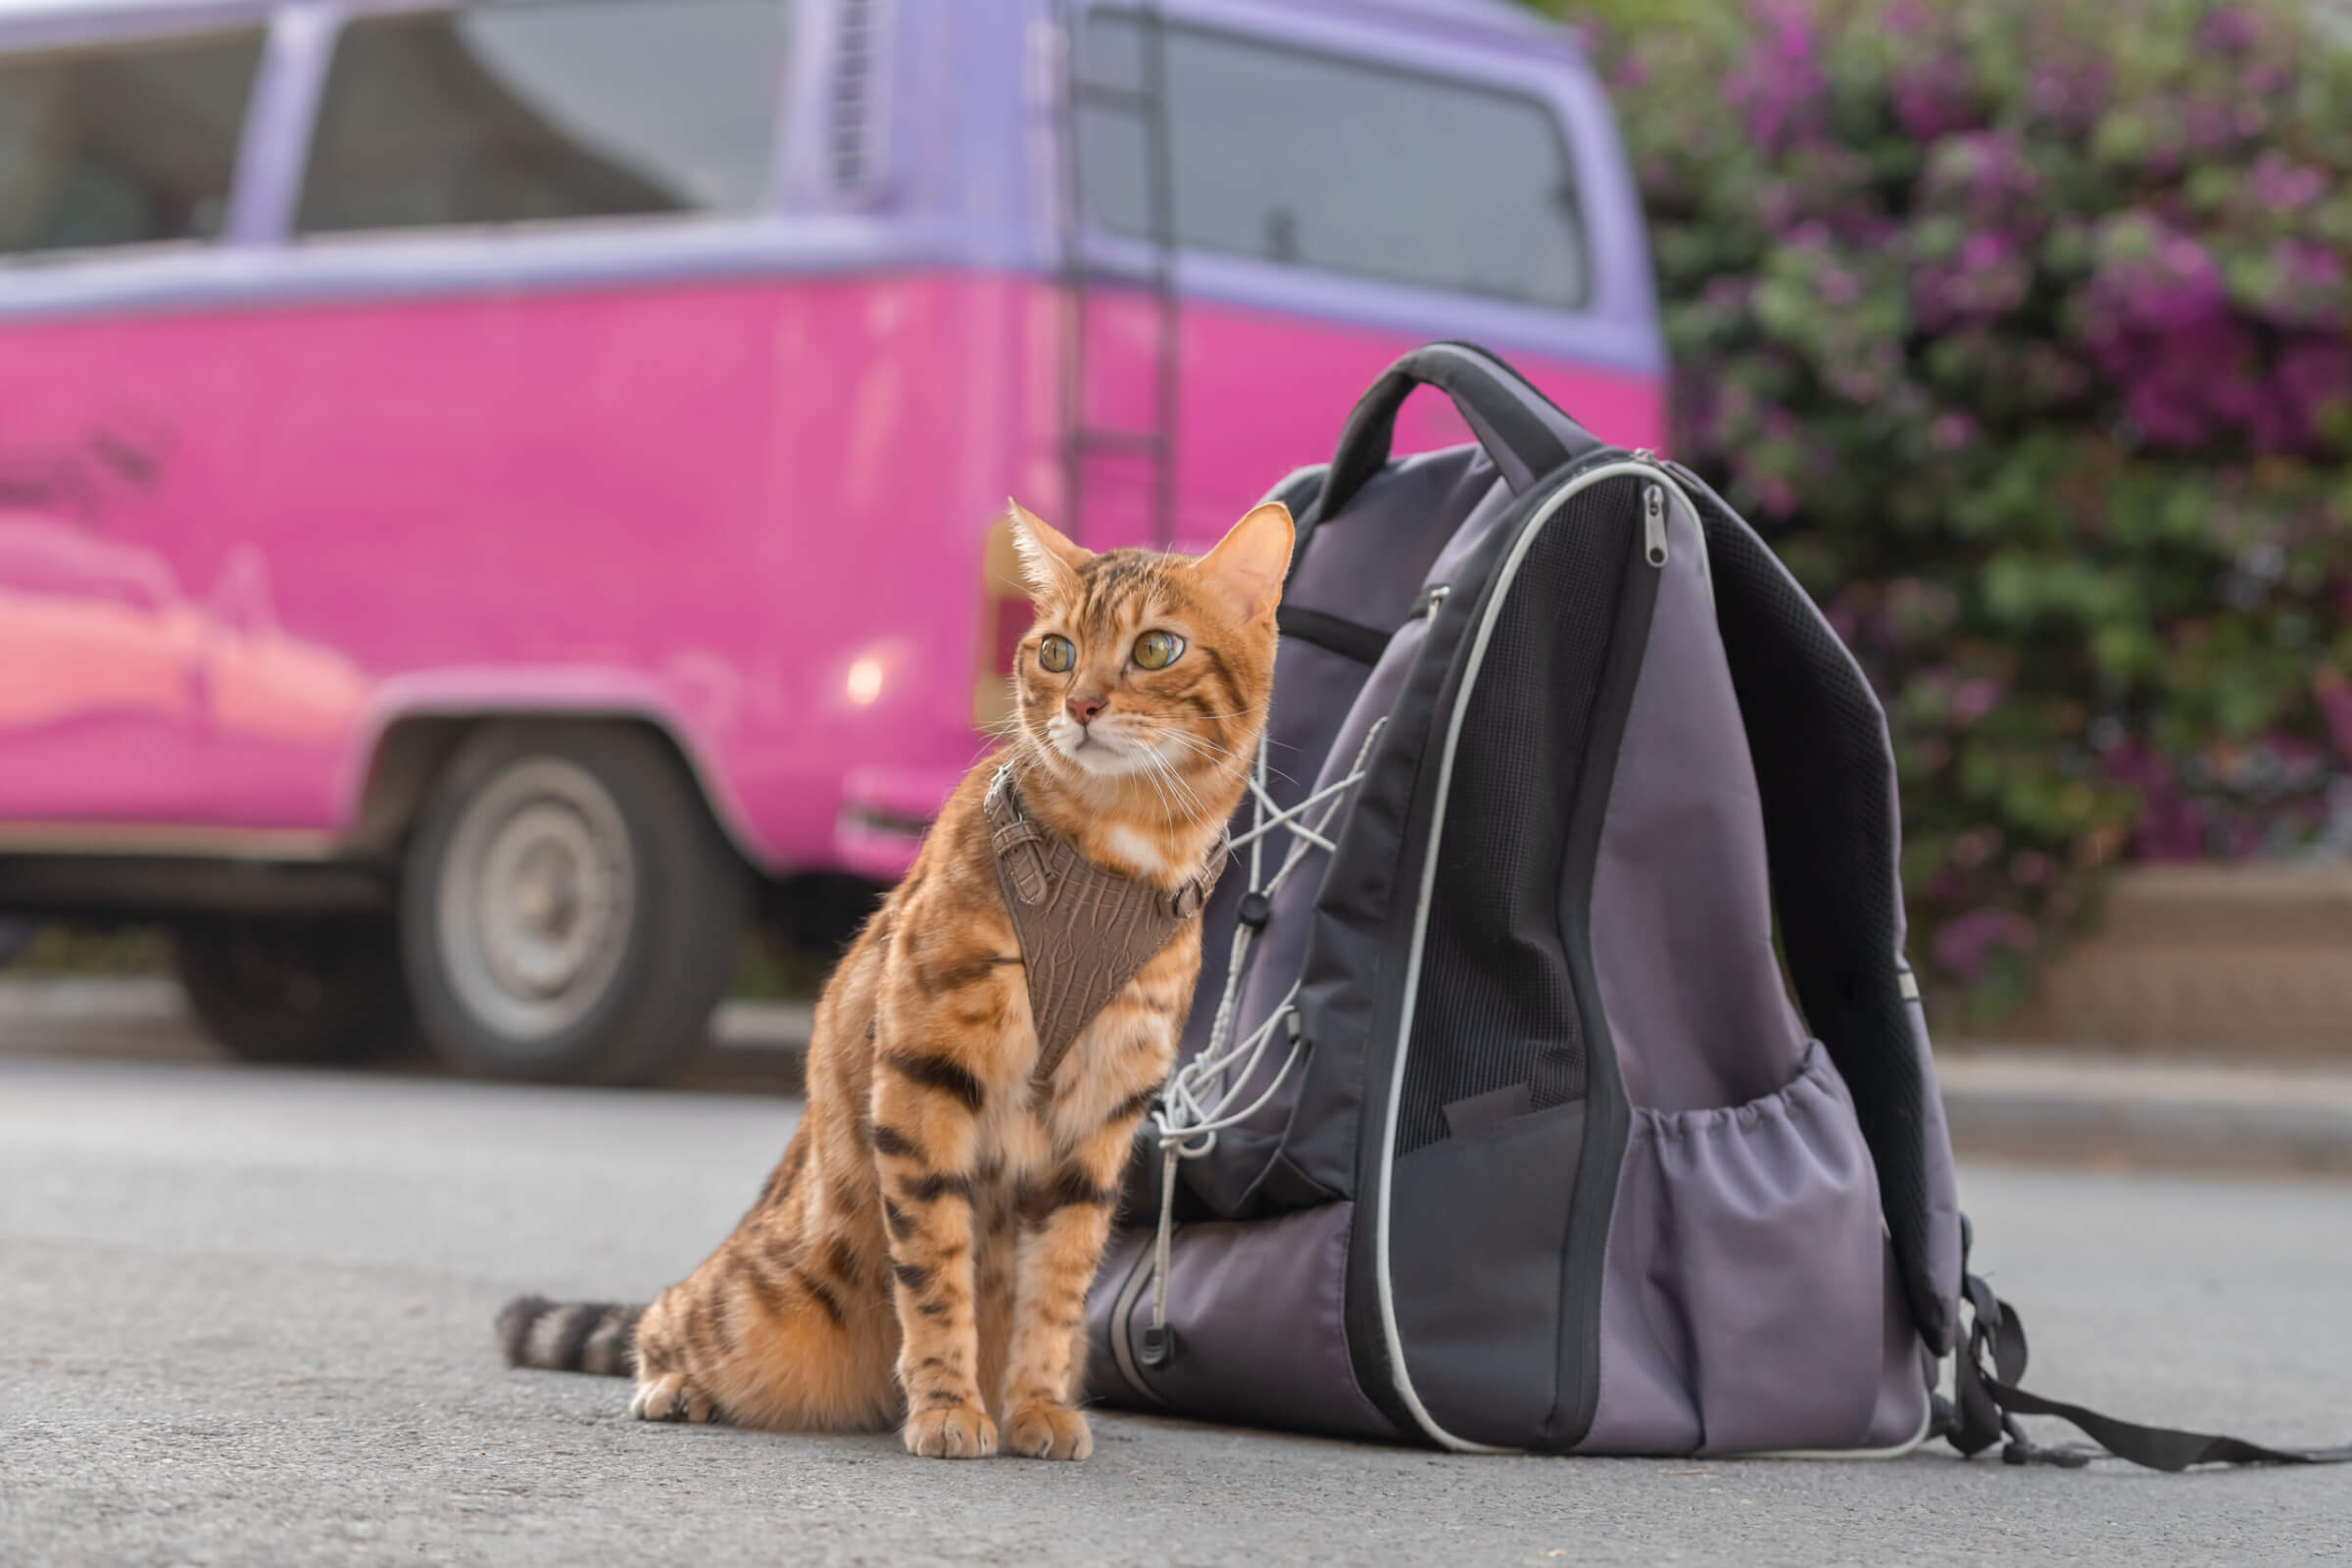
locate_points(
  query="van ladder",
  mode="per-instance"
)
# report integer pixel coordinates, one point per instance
(1082, 273)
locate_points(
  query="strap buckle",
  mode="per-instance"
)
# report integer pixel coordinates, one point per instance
(1020, 844)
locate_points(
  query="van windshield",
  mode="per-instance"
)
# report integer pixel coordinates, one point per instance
(523, 114)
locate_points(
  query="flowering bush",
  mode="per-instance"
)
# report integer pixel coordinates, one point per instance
(2020, 328)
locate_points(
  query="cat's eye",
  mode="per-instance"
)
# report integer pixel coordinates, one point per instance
(1158, 649)
(1057, 655)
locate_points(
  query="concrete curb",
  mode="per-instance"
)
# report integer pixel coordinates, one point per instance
(2027, 1102)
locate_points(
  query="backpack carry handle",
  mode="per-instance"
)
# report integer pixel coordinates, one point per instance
(1526, 434)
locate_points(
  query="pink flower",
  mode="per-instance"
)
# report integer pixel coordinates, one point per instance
(1985, 175)
(2311, 378)
(1935, 98)
(1777, 87)
(1973, 699)
(2335, 707)
(1776, 496)
(2070, 93)
(1964, 943)
(2227, 30)
(1989, 278)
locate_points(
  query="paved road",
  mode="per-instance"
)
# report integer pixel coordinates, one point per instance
(244, 1319)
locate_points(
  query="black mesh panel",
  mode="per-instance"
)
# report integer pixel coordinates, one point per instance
(1497, 1007)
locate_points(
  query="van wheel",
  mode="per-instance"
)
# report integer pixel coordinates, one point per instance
(569, 913)
(313, 989)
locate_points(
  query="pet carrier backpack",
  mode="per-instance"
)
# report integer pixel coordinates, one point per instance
(1494, 1125)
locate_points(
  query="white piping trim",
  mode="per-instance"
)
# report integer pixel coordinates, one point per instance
(1412, 970)
(1122, 1322)
(1898, 1451)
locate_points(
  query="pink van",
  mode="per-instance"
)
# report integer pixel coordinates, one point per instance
(494, 496)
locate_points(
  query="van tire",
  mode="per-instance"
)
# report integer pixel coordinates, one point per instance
(569, 913)
(308, 991)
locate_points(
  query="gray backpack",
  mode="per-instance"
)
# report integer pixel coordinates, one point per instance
(1496, 1124)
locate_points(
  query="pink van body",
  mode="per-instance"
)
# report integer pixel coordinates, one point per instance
(258, 508)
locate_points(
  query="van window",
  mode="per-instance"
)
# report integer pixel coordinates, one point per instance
(125, 143)
(1315, 160)
(523, 114)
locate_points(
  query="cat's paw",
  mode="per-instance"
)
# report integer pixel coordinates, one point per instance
(670, 1397)
(1048, 1432)
(950, 1431)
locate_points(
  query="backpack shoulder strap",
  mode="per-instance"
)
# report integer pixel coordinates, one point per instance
(1991, 1365)
(1825, 772)
(1350, 639)
(1825, 775)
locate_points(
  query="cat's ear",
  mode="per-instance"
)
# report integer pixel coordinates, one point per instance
(1244, 571)
(1048, 561)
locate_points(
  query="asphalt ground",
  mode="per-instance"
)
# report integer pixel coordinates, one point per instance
(244, 1318)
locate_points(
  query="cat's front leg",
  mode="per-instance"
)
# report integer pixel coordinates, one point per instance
(1064, 1213)
(926, 1109)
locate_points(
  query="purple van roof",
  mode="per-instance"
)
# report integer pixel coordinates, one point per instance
(1492, 15)
(918, 229)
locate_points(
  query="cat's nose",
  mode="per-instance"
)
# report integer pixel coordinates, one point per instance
(1084, 708)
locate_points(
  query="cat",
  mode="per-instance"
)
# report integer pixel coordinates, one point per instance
(921, 1253)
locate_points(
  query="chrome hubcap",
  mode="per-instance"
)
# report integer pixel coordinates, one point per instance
(537, 898)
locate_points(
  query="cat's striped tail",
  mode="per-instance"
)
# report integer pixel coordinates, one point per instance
(596, 1336)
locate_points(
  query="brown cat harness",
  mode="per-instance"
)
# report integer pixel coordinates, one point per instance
(1085, 930)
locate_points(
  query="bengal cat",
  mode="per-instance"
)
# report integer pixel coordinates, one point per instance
(922, 1252)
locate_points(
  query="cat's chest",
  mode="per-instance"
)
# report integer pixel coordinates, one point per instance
(1134, 852)
(1120, 1054)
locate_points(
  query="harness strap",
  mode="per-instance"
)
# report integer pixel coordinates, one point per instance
(1084, 929)
(1020, 850)
(1992, 1363)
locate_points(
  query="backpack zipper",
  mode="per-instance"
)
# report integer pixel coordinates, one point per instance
(1653, 523)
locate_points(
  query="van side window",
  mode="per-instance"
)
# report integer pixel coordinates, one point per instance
(1345, 165)
(526, 112)
(127, 143)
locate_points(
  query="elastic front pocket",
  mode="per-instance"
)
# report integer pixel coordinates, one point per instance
(1749, 1300)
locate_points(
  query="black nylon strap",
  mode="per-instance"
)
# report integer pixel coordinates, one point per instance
(1990, 1401)
(1521, 430)
(1350, 639)
(2160, 1448)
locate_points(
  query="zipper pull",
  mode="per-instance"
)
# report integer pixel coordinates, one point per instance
(1653, 526)
(1430, 598)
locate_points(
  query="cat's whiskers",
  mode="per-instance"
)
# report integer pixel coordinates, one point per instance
(1155, 770)
(1223, 759)
(1194, 808)
(1201, 745)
